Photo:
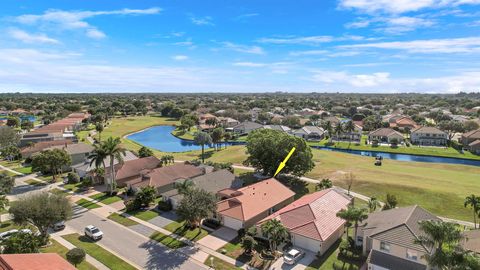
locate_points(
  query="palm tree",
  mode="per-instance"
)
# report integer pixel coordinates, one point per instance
(328, 127)
(353, 215)
(338, 130)
(97, 157)
(248, 244)
(184, 187)
(112, 149)
(275, 232)
(99, 129)
(373, 203)
(349, 128)
(439, 236)
(474, 202)
(324, 184)
(203, 138)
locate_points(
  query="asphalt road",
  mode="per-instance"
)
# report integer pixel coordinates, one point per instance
(138, 249)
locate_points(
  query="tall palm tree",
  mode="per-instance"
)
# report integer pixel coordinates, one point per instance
(275, 232)
(474, 202)
(439, 236)
(350, 128)
(97, 157)
(99, 129)
(328, 127)
(184, 187)
(338, 130)
(113, 150)
(373, 203)
(353, 215)
(203, 138)
(324, 184)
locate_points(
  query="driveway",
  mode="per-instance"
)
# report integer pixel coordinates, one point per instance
(146, 253)
(302, 264)
(164, 219)
(218, 238)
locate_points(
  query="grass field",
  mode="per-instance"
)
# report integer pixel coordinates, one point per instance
(56, 247)
(108, 259)
(401, 149)
(105, 199)
(145, 215)
(34, 182)
(122, 220)
(167, 240)
(87, 204)
(186, 135)
(219, 264)
(179, 229)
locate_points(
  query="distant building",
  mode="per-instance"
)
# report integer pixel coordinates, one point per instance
(385, 135)
(78, 152)
(278, 127)
(310, 133)
(430, 136)
(246, 127)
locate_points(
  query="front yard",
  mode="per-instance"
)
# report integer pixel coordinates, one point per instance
(56, 247)
(234, 250)
(105, 198)
(180, 229)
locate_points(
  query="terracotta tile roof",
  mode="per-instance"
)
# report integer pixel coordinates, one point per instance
(43, 145)
(74, 148)
(314, 215)
(35, 261)
(254, 199)
(385, 132)
(166, 175)
(432, 130)
(134, 167)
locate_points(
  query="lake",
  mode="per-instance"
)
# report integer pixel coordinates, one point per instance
(161, 138)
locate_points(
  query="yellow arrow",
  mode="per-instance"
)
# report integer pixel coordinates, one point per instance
(282, 164)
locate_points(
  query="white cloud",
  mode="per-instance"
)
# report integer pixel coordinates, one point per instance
(428, 46)
(243, 48)
(246, 16)
(75, 20)
(249, 64)
(31, 38)
(309, 40)
(396, 25)
(356, 80)
(207, 20)
(400, 6)
(180, 57)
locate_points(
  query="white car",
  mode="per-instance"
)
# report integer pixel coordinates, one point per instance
(293, 256)
(93, 233)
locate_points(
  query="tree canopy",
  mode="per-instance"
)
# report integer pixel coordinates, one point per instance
(196, 205)
(266, 148)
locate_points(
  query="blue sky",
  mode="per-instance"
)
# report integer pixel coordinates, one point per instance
(240, 46)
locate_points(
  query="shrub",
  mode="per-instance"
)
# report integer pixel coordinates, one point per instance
(131, 205)
(211, 223)
(164, 206)
(375, 143)
(241, 232)
(76, 256)
(131, 191)
(73, 178)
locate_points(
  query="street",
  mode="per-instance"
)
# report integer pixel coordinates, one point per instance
(132, 246)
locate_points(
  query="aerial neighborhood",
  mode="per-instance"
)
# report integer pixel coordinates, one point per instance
(356, 191)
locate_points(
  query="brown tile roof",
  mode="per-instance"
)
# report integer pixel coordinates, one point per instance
(74, 148)
(424, 129)
(474, 134)
(254, 199)
(35, 261)
(166, 175)
(134, 167)
(43, 145)
(474, 143)
(399, 226)
(385, 132)
(314, 215)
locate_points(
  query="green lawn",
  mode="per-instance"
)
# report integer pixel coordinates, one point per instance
(105, 199)
(186, 135)
(9, 173)
(219, 264)
(122, 220)
(179, 229)
(24, 170)
(34, 182)
(7, 225)
(234, 250)
(87, 204)
(167, 240)
(143, 215)
(97, 252)
(56, 247)
(11, 164)
(58, 191)
(73, 187)
(331, 258)
(412, 149)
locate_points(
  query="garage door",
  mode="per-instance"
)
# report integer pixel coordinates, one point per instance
(305, 243)
(232, 223)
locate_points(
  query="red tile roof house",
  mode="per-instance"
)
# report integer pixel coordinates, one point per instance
(312, 220)
(246, 206)
(34, 261)
(132, 169)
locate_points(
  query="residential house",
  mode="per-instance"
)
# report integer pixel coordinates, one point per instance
(351, 136)
(78, 152)
(400, 121)
(474, 147)
(471, 241)
(312, 220)
(28, 151)
(228, 122)
(244, 207)
(34, 261)
(388, 238)
(428, 136)
(211, 182)
(278, 127)
(133, 169)
(334, 121)
(469, 137)
(310, 133)
(246, 127)
(460, 118)
(163, 179)
(84, 169)
(385, 135)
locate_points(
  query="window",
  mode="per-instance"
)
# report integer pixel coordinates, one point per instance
(412, 255)
(384, 246)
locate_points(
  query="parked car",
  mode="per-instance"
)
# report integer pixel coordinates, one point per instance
(93, 233)
(293, 255)
(59, 226)
(7, 234)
